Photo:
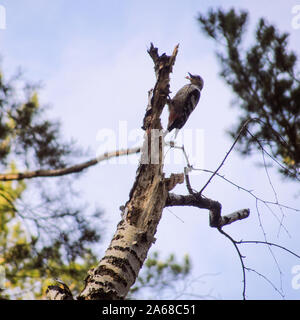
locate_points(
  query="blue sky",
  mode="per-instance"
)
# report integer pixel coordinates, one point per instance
(91, 57)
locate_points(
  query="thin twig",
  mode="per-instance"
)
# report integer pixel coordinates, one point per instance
(246, 190)
(227, 154)
(269, 244)
(274, 159)
(267, 280)
(275, 193)
(240, 257)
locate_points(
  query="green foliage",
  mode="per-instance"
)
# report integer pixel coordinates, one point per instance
(45, 232)
(30, 265)
(264, 79)
(160, 278)
(23, 130)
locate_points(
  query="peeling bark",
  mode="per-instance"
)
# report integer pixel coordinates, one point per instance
(214, 207)
(59, 293)
(119, 268)
(117, 271)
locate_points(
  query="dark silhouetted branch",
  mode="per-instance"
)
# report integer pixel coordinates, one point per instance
(214, 207)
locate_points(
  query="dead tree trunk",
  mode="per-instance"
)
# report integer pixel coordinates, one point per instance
(117, 271)
(119, 268)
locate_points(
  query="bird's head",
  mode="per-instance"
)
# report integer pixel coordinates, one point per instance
(196, 80)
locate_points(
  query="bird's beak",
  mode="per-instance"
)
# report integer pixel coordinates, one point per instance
(189, 76)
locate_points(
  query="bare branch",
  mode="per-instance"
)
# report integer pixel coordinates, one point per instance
(197, 200)
(244, 127)
(240, 257)
(247, 190)
(269, 244)
(267, 280)
(228, 153)
(296, 174)
(187, 180)
(214, 207)
(64, 171)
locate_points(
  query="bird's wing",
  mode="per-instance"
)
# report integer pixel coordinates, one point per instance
(181, 106)
(193, 96)
(187, 96)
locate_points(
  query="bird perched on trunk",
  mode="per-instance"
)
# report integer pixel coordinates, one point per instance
(184, 102)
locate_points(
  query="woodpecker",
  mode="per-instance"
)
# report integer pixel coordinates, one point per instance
(184, 102)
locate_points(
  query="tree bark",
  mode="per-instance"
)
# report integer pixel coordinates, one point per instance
(119, 268)
(117, 271)
(214, 207)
